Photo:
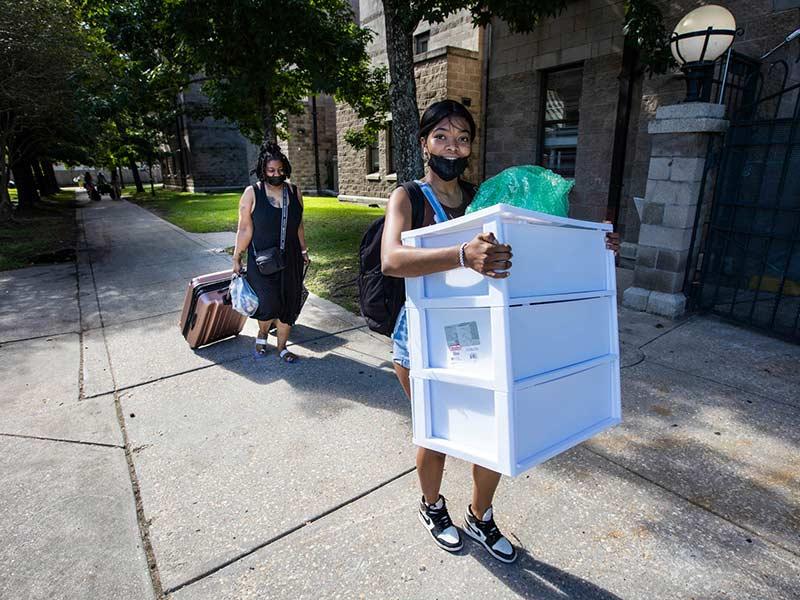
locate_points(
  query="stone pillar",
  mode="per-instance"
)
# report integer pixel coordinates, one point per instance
(680, 137)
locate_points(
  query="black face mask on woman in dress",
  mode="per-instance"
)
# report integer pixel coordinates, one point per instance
(446, 168)
(275, 180)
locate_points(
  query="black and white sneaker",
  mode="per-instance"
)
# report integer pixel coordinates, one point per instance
(486, 533)
(437, 521)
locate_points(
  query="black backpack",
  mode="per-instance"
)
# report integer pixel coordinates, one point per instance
(380, 297)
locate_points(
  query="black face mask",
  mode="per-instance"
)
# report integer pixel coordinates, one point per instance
(447, 169)
(275, 180)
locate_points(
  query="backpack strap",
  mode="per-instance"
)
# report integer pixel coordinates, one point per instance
(441, 216)
(417, 199)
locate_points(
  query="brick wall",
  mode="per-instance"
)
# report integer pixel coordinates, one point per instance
(456, 31)
(591, 31)
(588, 31)
(511, 132)
(464, 85)
(299, 147)
(431, 78)
(440, 74)
(216, 153)
(217, 156)
(598, 112)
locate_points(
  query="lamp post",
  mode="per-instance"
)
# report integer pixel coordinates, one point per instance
(699, 39)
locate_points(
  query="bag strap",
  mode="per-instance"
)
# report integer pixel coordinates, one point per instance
(284, 215)
(417, 199)
(424, 190)
(440, 215)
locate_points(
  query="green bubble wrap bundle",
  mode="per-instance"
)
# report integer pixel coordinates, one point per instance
(526, 186)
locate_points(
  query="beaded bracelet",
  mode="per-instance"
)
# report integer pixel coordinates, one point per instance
(462, 255)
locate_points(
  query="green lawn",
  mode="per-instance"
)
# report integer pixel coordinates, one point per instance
(46, 235)
(333, 233)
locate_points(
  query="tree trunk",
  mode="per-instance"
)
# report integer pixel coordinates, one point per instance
(267, 117)
(50, 177)
(402, 92)
(136, 178)
(152, 186)
(38, 174)
(6, 210)
(26, 185)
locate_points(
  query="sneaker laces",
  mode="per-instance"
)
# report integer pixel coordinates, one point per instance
(440, 517)
(490, 530)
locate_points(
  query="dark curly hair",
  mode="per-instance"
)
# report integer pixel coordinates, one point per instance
(271, 151)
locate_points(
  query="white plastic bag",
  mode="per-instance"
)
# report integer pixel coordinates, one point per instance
(243, 298)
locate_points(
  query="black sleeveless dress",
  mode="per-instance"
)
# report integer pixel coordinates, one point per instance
(279, 294)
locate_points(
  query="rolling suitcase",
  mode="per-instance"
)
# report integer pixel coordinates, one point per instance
(207, 314)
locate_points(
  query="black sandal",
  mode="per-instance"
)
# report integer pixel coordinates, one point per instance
(264, 348)
(287, 356)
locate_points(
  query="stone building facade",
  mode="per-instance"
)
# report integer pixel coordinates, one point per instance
(217, 157)
(299, 146)
(447, 65)
(587, 38)
(209, 155)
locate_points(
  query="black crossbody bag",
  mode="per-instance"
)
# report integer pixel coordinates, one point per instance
(272, 260)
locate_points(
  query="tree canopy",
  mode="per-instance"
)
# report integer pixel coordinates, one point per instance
(260, 58)
(95, 81)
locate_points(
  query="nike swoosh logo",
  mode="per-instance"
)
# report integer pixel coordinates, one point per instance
(425, 518)
(476, 531)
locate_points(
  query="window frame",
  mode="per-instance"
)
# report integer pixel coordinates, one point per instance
(422, 36)
(389, 137)
(374, 155)
(542, 123)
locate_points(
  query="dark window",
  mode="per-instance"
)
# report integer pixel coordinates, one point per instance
(561, 91)
(389, 150)
(373, 163)
(421, 42)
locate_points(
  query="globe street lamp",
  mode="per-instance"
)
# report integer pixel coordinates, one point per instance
(699, 39)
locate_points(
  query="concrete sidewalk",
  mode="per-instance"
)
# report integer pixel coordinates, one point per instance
(134, 467)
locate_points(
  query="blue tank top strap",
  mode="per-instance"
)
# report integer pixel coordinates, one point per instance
(440, 215)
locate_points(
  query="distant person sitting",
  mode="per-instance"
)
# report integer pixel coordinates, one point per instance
(102, 184)
(90, 187)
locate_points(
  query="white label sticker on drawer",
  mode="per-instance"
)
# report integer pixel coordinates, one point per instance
(463, 342)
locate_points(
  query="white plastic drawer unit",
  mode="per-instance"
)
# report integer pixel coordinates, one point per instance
(552, 256)
(510, 432)
(496, 346)
(508, 373)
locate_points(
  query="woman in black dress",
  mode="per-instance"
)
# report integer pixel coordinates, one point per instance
(260, 215)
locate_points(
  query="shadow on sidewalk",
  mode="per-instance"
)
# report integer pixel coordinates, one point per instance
(723, 449)
(327, 385)
(532, 578)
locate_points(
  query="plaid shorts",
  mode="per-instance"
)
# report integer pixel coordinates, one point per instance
(400, 340)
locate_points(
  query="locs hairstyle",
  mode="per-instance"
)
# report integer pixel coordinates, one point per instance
(271, 151)
(442, 110)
